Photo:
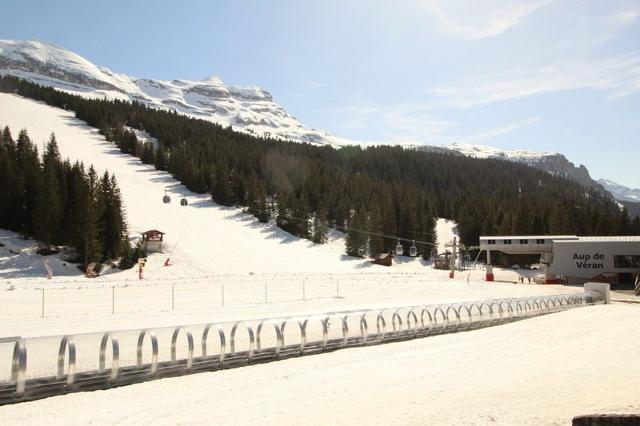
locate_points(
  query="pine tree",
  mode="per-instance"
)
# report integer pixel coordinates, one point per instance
(28, 166)
(48, 208)
(356, 240)
(112, 224)
(320, 227)
(375, 226)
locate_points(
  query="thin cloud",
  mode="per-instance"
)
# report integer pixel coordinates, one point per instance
(492, 134)
(488, 24)
(400, 123)
(620, 76)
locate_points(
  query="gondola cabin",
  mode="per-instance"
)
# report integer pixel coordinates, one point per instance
(152, 241)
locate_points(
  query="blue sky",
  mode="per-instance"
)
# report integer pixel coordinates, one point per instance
(550, 75)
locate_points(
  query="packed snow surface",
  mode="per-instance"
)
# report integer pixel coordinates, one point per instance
(539, 371)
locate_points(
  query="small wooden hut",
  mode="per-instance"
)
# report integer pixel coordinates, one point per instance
(384, 259)
(152, 241)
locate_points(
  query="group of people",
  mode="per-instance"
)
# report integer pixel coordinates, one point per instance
(521, 279)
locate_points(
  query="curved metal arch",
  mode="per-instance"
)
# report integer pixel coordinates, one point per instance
(545, 303)
(364, 328)
(469, 321)
(381, 321)
(345, 329)
(480, 319)
(509, 308)
(174, 346)
(19, 366)
(324, 321)
(302, 325)
(344, 324)
(252, 339)
(536, 305)
(491, 313)
(115, 355)
(325, 332)
(279, 337)
(154, 351)
(412, 314)
(457, 314)
(498, 313)
(67, 342)
(223, 342)
(527, 307)
(396, 317)
(520, 310)
(426, 309)
(444, 317)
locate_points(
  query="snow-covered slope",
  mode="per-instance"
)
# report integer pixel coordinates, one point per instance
(482, 151)
(550, 162)
(621, 192)
(249, 108)
(202, 238)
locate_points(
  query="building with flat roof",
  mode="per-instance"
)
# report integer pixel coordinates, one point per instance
(574, 259)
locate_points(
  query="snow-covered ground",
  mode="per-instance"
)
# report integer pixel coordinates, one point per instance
(540, 371)
(536, 371)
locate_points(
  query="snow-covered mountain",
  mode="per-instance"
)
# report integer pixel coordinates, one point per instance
(245, 108)
(550, 162)
(621, 192)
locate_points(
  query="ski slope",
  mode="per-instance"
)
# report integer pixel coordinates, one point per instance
(202, 238)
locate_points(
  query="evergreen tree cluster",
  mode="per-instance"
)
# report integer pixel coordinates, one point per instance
(383, 190)
(59, 203)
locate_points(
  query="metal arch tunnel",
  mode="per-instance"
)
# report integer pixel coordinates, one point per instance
(369, 327)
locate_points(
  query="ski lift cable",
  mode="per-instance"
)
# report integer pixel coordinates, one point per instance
(393, 237)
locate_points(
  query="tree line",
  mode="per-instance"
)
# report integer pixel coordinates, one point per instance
(386, 190)
(61, 204)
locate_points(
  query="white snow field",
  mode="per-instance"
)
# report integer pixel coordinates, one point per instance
(538, 371)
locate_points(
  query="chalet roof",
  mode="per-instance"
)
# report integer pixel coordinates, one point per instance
(382, 256)
(153, 231)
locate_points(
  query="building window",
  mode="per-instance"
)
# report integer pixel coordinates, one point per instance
(491, 241)
(540, 241)
(629, 261)
(507, 241)
(524, 241)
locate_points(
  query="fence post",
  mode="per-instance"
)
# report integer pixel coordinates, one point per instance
(304, 290)
(42, 312)
(113, 299)
(266, 300)
(173, 297)
(337, 289)
(222, 294)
